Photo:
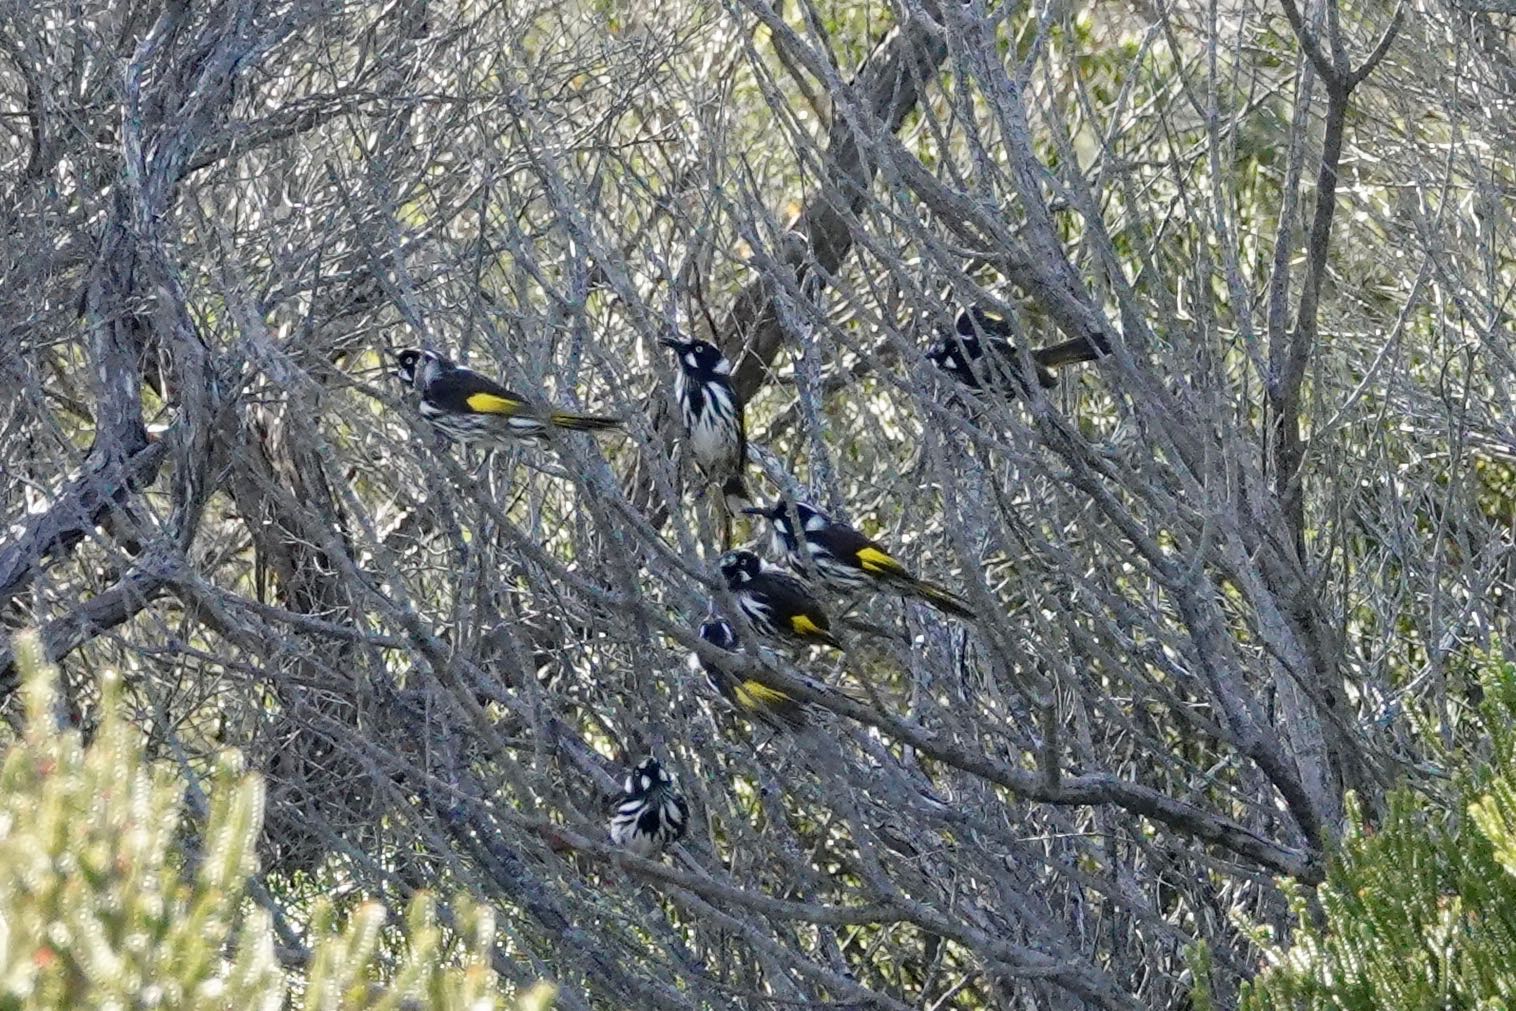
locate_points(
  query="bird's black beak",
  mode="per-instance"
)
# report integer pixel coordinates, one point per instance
(671, 342)
(758, 511)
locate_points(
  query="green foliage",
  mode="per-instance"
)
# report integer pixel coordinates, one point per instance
(100, 906)
(1419, 913)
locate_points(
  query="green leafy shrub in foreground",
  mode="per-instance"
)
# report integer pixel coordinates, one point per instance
(100, 906)
(1420, 914)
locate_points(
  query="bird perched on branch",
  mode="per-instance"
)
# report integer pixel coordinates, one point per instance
(712, 412)
(750, 697)
(470, 407)
(650, 813)
(962, 354)
(842, 559)
(778, 604)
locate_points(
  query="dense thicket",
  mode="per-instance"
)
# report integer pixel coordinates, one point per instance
(1215, 570)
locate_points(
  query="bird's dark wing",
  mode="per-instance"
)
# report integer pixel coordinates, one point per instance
(741, 442)
(995, 332)
(734, 488)
(849, 546)
(738, 409)
(792, 599)
(678, 828)
(465, 391)
(1003, 357)
(757, 699)
(987, 321)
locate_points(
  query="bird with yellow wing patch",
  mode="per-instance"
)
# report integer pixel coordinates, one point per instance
(844, 560)
(470, 407)
(779, 605)
(747, 695)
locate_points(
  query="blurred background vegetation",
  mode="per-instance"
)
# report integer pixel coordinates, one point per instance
(110, 898)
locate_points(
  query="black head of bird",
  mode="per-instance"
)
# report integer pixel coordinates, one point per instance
(790, 520)
(698, 358)
(785, 515)
(738, 567)
(650, 814)
(719, 634)
(957, 357)
(415, 367)
(405, 365)
(648, 776)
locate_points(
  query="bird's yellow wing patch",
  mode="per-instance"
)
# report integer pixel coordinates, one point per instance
(874, 560)
(803, 624)
(752, 695)
(489, 403)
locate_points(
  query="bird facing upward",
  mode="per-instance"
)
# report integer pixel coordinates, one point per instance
(713, 417)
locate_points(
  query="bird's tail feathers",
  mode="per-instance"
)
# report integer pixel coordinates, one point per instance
(1080, 349)
(943, 599)
(583, 422)
(831, 640)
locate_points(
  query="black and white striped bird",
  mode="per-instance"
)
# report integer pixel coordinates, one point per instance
(750, 697)
(712, 413)
(977, 330)
(779, 605)
(470, 407)
(842, 559)
(650, 813)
